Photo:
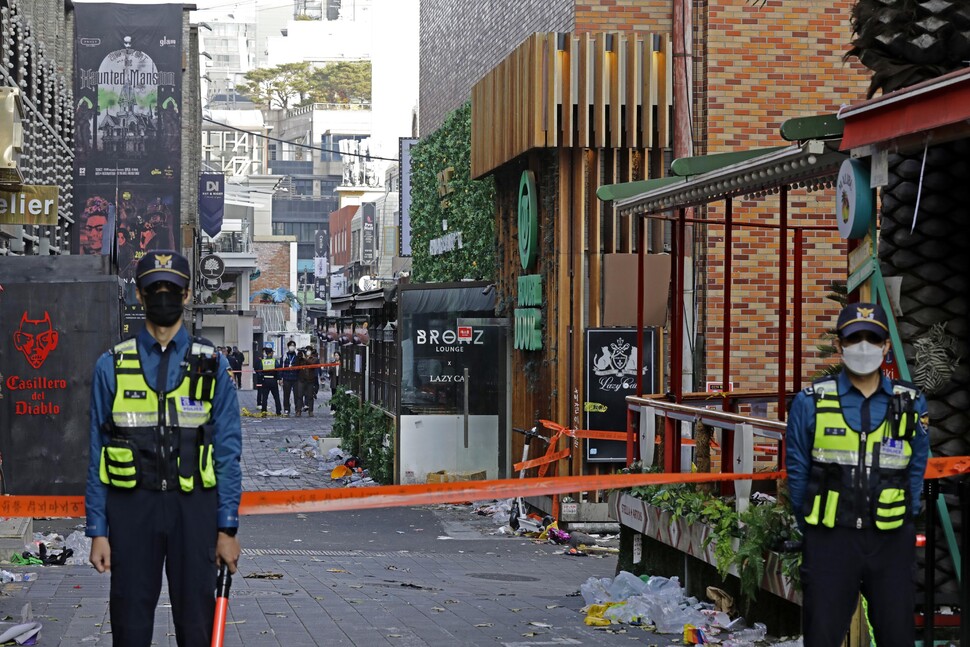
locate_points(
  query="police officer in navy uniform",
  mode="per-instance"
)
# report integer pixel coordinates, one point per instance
(857, 446)
(164, 479)
(268, 378)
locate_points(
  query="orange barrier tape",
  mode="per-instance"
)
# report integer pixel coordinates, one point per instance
(283, 368)
(582, 433)
(542, 460)
(389, 496)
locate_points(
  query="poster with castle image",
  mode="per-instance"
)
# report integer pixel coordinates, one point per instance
(128, 127)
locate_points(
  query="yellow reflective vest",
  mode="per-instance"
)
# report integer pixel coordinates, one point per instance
(157, 440)
(859, 480)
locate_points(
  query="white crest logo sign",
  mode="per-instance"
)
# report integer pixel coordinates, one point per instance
(619, 359)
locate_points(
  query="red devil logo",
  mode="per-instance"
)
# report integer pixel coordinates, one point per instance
(35, 339)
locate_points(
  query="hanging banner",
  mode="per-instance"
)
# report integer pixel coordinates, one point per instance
(212, 202)
(128, 133)
(404, 217)
(368, 212)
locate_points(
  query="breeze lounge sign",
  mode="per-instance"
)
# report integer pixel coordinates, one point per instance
(528, 316)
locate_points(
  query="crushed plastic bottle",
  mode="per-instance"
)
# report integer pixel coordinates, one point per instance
(753, 634)
(595, 590)
(632, 612)
(626, 585)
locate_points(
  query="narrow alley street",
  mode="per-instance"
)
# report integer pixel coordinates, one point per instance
(436, 575)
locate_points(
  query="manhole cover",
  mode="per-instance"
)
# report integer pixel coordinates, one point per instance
(504, 577)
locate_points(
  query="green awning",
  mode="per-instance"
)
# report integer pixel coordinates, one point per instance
(630, 189)
(802, 129)
(687, 166)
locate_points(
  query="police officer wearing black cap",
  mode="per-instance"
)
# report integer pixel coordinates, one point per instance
(164, 479)
(857, 447)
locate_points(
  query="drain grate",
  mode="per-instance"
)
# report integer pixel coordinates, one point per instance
(296, 552)
(503, 577)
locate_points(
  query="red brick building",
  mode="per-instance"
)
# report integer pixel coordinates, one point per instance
(754, 66)
(340, 235)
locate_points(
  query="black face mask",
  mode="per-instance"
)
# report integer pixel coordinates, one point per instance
(163, 308)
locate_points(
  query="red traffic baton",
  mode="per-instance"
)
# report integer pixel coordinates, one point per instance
(223, 583)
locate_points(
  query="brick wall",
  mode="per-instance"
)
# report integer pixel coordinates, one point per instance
(623, 15)
(766, 65)
(461, 40)
(273, 261)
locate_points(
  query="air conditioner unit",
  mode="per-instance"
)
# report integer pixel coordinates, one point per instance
(11, 136)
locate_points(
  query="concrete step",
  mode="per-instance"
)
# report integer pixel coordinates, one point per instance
(15, 532)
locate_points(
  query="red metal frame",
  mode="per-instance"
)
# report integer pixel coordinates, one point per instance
(671, 435)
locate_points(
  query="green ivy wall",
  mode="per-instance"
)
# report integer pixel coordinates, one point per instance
(470, 208)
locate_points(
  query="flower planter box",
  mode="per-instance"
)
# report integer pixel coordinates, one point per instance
(690, 539)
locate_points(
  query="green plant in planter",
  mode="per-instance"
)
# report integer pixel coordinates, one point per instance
(363, 430)
(758, 529)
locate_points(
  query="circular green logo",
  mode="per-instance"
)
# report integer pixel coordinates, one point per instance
(528, 220)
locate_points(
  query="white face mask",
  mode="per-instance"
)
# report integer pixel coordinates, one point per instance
(862, 358)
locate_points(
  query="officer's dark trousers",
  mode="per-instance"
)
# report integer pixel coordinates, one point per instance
(148, 530)
(840, 563)
(262, 396)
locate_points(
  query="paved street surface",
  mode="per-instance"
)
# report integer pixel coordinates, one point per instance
(436, 575)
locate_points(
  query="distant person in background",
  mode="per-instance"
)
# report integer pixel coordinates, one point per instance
(268, 377)
(317, 371)
(290, 379)
(240, 362)
(235, 366)
(309, 377)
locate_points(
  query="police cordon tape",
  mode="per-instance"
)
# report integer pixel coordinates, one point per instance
(390, 496)
(283, 368)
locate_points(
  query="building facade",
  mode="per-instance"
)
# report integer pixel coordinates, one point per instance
(36, 59)
(752, 68)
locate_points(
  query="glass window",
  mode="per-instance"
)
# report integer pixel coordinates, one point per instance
(433, 361)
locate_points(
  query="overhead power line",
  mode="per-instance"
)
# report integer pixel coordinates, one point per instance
(306, 146)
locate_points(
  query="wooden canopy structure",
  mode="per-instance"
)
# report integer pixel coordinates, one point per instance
(575, 111)
(603, 90)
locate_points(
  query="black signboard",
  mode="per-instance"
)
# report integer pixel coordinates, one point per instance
(611, 375)
(369, 217)
(57, 315)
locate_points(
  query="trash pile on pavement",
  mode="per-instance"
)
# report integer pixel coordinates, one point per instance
(25, 632)
(345, 469)
(51, 549)
(659, 603)
(546, 530)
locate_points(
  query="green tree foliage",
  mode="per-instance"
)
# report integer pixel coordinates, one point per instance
(467, 205)
(278, 87)
(344, 82)
(300, 84)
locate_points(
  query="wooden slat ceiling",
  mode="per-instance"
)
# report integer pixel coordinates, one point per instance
(600, 90)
